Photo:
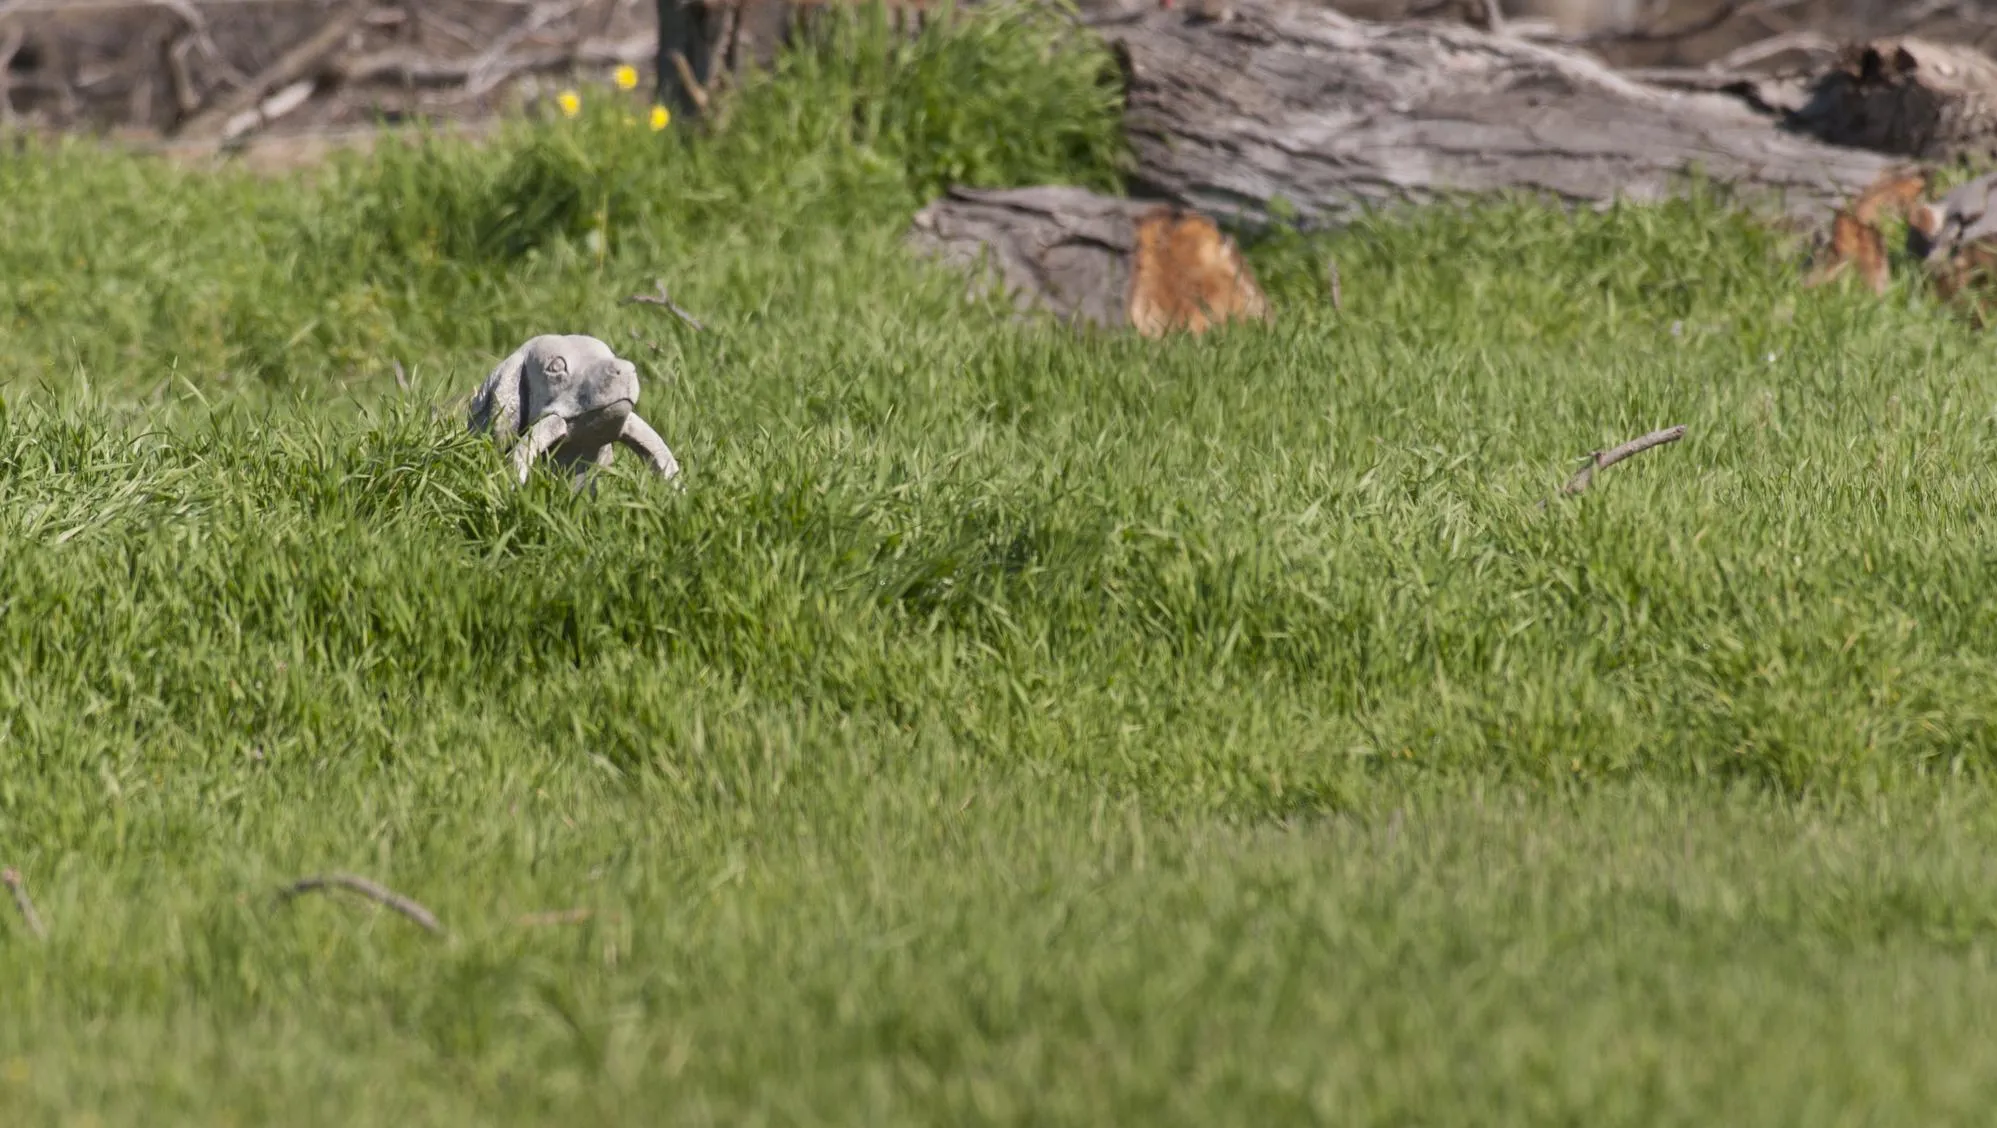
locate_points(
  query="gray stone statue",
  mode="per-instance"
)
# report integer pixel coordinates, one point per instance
(569, 396)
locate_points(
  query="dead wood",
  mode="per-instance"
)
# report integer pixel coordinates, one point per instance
(214, 118)
(1955, 241)
(1951, 241)
(1722, 12)
(209, 69)
(1108, 262)
(388, 898)
(1911, 98)
(703, 42)
(693, 88)
(665, 301)
(11, 878)
(1603, 459)
(485, 73)
(413, 68)
(1855, 243)
(1335, 117)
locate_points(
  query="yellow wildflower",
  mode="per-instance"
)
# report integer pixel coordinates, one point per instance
(570, 102)
(661, 118)
(626, 77)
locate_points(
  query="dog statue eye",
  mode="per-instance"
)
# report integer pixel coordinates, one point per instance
(556, 366)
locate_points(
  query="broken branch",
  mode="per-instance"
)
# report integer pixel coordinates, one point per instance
(485, 74)
(272, 108)
(11, 877)
(665, 301)
(1603, 459)
(408, 68)
(689, 83)
(289, 68)
(380, 895)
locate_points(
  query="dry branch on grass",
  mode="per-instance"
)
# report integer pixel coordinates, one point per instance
(379, 894)
(1603, 459)
(665, 301)
(11, 878)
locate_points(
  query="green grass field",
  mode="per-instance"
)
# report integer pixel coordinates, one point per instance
(1005, 725)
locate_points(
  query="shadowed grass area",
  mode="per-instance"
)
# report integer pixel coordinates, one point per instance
(1005, 724)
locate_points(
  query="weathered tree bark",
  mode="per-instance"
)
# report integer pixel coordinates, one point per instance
(1098, 260)
(1334, 116)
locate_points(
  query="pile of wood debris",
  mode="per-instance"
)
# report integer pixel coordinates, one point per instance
(1281, 107)
(213, 70)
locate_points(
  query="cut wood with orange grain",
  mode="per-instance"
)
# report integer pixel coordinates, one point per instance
(1096, 260)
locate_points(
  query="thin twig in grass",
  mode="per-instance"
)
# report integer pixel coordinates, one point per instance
(401, 377)
(380, 895)
(1337, 290)
(665, 301)
(647, 342)
(11, 877)
(1603, 459)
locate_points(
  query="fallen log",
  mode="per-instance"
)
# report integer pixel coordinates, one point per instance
(1097, 260)
(1285, 101)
